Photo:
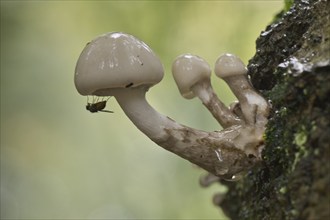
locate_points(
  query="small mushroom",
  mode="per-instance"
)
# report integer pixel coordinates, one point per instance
(192, 76)
(120, 65)
(208, 179)
(253, 106)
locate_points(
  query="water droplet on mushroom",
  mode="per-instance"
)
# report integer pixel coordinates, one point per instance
(218, 153)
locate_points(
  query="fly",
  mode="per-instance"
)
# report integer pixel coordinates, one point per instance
(97, 106)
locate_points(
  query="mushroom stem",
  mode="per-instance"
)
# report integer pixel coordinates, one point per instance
(142, 114)
(254, 107)
(204, 91)
(216, 152)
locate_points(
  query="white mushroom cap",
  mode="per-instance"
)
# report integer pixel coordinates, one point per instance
(116, 60)
(188, 70)
(229, 65)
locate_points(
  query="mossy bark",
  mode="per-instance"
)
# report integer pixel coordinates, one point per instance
(292, 69)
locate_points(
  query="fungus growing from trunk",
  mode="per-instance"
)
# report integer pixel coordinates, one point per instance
(120, 65)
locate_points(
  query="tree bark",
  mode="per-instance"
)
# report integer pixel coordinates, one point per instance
(292, 69)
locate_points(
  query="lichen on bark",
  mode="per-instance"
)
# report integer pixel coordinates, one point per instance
(291, 68)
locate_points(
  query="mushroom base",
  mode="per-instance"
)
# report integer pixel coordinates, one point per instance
(221, 152)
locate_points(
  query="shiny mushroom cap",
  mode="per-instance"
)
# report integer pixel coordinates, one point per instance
(188, 70)
(116, 60)
(229, 65)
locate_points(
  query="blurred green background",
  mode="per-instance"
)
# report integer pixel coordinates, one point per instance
(59, 161)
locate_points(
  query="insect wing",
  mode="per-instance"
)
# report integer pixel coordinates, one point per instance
(100, 105)
(97, 107)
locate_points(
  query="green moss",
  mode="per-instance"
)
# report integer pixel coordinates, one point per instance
(283, 190)
(300, 138)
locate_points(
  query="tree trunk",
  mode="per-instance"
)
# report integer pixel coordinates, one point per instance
(292, 69)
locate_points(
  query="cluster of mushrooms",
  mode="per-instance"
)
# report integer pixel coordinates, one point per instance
(120, 65)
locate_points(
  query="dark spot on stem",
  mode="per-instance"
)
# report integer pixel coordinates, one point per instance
(129, 85)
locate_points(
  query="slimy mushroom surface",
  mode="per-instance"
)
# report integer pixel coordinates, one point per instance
(120, 65)
(116, 60)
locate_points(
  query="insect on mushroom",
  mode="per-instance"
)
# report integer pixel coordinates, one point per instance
(97, 106)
